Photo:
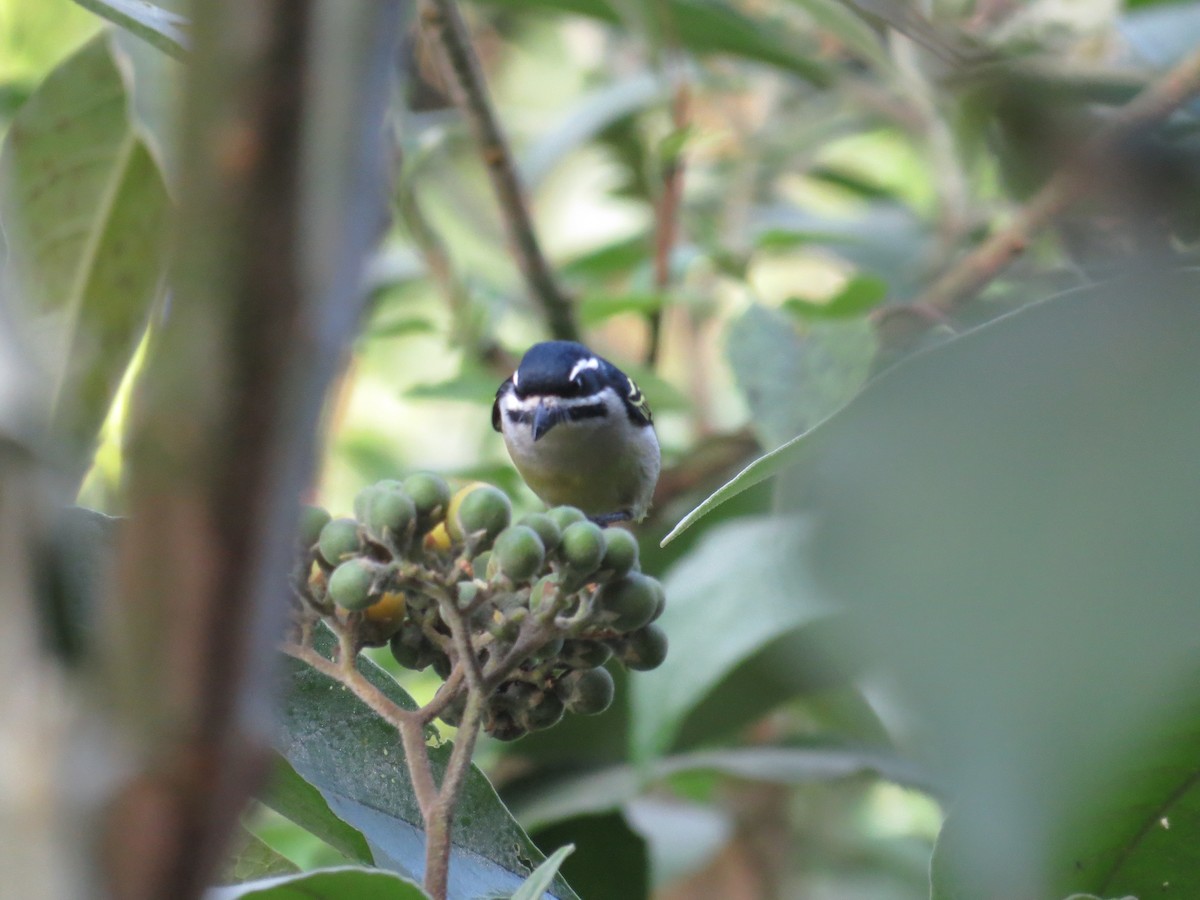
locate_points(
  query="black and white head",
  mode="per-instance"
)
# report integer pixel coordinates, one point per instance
(579, 431)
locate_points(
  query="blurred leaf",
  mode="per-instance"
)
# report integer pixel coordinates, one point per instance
(707, 26)
(850, 29)
(790, 379)
(857, 297)
(543, 876)
(252, 859)
(84, 212)
(550, 798)
(401, 328)
(470, 386)
(596, 309)
(324, 884)
(159, 27)
(790, 238)
(610, 860)
(155, 86)
(589, 115)
(616, 258)
(661, 394)
(354, 758)
(295, 799)
(1005, 518)
(721, 609)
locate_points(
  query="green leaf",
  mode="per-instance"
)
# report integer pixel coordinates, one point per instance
(324, 884)
(555, 798)
(400, 328)
(253, 859)
(294, 798)
(354, 758)
(1005, 520)
(157, 26)
(84, 211)
(616, 258)
(721, 609)
(851, 30)
(708, 26)
(791, 380)
(857, 297)
(610, 861)
(540, 881)
(596, 309)
(470, 386)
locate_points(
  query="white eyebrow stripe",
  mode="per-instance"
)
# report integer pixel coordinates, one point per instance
(514, 378)
(590, 363)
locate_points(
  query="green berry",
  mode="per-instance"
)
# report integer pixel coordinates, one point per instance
(546, 528)
(589, 692)
(582, 547)
(431, 496)
(628, 603)
(645, 649)
(583, 654)
(565, 516)
(362, 502)
(411, 648)
(485, 509)
(352, 584)
(312, 520)
(620, 552)
(548, 650)
(390, 513)
(338, 540)
(519, 552)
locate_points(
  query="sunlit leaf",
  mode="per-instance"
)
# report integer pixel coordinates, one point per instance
(252, 860)
(295, 799)
(162, 28)
(857, 297)
(84, 212)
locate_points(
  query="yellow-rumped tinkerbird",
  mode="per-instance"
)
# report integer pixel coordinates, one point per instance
(580, 432)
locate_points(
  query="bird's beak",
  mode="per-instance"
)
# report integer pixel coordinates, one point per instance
(545, 417)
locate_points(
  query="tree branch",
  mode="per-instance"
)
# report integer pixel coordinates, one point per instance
(442, 20)
(1069, 184)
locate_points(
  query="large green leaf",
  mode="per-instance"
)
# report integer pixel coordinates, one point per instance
(157, 26)
(324, 884)
(252, 860)
(1008, 520)
(84, 211)
(354, 758)
(740, 589)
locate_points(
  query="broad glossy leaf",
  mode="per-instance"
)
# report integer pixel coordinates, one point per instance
(324, 884)
(1007, 519)
(157, 26)
(84, 212)
(736, 592)
(354, 759)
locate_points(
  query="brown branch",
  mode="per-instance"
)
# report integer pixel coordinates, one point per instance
(666, 216)
(443, 21)
(1068, 185)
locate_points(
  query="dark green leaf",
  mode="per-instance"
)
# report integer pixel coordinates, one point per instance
(354, 758)
(325, 884)
(294, 798)
(721, 609)
(163, 29)
(594, 310)
(84, 211)
(616, 258)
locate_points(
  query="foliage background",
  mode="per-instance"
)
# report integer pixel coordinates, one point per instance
(830, 691)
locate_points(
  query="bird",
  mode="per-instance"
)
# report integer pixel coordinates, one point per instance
(580, 432)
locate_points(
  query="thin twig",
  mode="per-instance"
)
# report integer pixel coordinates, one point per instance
(445, 695)
(462, 644)
(1068, 184)
(666, 215)
(409, 724)
(443, 21)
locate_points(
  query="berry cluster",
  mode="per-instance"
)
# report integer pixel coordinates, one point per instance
(541, 605)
